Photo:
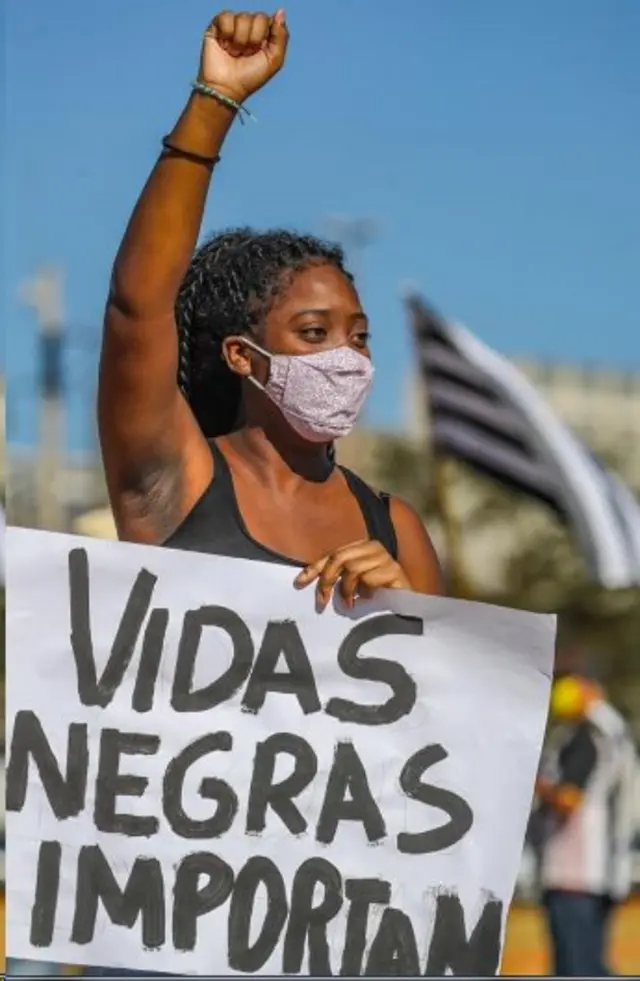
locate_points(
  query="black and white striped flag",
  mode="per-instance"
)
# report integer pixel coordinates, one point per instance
(485, 412)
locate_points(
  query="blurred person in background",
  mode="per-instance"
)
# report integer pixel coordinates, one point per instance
(585, 823)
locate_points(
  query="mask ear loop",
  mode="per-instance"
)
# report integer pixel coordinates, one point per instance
(249, 341)
(259, 350)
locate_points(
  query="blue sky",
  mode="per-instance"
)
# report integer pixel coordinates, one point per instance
(496, 144)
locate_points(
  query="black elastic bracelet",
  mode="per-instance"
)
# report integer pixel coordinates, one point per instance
(188, 154)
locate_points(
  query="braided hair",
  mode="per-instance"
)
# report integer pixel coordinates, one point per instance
(229, 288)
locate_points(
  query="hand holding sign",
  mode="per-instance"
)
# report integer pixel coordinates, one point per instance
(357, 569)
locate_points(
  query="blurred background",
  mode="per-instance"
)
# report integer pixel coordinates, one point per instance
(483, 156)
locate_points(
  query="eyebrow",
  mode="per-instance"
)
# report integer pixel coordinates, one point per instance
(359, 315)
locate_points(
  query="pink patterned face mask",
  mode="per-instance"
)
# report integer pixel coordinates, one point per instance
(320, 395)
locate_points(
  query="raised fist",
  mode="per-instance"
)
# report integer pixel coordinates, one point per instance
(241, 52)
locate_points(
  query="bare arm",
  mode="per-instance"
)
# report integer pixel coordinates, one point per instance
(156, 460)
(154, 454)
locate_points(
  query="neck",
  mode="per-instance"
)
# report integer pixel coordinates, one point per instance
(278, 457)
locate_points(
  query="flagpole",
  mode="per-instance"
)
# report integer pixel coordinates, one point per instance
(458, 581)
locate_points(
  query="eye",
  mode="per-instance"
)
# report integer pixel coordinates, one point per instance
(362, 338)
(314, 334)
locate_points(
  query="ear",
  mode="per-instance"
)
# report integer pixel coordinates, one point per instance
(237, 355)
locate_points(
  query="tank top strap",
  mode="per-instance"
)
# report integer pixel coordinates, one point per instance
(221, 472)
(376, 510)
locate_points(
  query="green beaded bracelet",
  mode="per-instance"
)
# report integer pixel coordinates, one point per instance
(224, 100)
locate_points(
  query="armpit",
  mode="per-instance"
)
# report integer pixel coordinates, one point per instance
(148, 506)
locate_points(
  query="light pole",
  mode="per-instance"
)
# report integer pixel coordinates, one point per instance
(43, 293)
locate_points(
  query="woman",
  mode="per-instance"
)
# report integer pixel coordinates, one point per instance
(225, 378)
(227, 375)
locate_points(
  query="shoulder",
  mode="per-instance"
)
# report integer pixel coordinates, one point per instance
(416, 553)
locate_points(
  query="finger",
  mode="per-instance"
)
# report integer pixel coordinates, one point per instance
(242, 31)
(329, 576)
(368, 555)
(260, 26)
(346, 558)
(348, 587)
(340, 565)
(361, 578)
(278, 37)
(224, 25)
(369, 565)
(312, 571)
(324, 586)
(381, 577)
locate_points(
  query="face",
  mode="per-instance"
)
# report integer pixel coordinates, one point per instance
(320, 310)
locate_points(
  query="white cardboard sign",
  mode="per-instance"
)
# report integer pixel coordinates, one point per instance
(207, 776)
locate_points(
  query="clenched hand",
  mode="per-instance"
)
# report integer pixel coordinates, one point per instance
(242, 52)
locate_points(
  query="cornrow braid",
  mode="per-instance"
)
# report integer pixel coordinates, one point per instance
(228, 289)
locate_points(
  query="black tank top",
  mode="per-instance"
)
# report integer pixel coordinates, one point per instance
(215, 525)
